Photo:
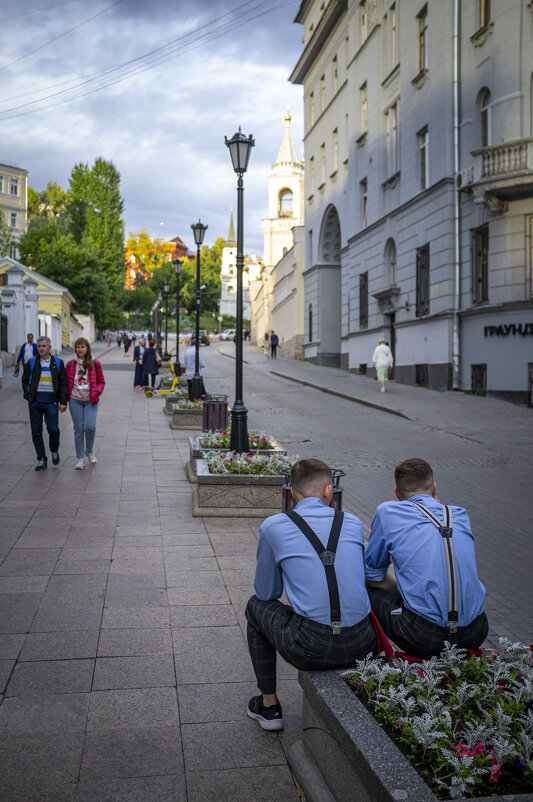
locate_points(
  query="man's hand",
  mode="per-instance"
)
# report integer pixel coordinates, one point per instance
(62, 407)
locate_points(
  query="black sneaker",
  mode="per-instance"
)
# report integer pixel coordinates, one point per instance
(55, 457)
(42, 465)
(269, 718)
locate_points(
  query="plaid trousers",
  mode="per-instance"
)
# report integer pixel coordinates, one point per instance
(308, 645)
(417, 636)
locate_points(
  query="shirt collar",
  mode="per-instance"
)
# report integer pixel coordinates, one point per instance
(424, 498)
(309, 503)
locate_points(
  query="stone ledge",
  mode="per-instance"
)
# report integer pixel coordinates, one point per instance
(235, 495)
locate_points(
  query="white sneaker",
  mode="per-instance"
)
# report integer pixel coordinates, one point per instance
(90, 456)
(382, 389)
(80, 465)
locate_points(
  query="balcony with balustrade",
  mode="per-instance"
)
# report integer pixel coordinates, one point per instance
(504, 171)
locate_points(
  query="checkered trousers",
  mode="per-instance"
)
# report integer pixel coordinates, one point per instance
(305, 644)
(417, 636)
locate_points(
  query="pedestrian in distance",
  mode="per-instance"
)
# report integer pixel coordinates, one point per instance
(274, 342)
(327, 623)
(119, 339)
(26, 352)
(85, 386)
(382, 361)
(109, 339)
(189, 363)
(266, 345)
(126, 339)
(138, 353)
(45, 388)
(150, 365)
(436, 596)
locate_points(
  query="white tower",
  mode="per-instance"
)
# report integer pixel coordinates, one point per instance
(228, 273)
(285, 200)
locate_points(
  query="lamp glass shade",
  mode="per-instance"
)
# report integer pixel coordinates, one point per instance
(240, 147)
(166, 287)
(199, 231)
(177, 266)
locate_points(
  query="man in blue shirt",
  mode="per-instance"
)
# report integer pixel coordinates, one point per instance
(327, 623)
(426, 604)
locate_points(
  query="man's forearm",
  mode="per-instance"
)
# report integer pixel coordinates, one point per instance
(389, 583)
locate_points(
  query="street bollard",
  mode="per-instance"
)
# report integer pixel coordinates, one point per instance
(288, 503)
(215, 412)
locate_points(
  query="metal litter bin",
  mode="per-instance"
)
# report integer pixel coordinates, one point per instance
(288, 503)
(215, 412)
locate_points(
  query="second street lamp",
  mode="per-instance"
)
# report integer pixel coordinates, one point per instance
(240, 147)
(166, 288)
(196, 385)
(177, 268)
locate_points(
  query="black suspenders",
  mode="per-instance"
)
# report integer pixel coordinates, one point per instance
(327, 555)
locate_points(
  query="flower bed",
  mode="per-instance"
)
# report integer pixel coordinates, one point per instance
(184, 403)
(221, 439)
(465, 724)
(229, 462)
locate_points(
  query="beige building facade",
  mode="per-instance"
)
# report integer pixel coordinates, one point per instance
(14, 202)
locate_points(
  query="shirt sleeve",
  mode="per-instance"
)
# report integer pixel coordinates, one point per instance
(377, 559)
(268, 581)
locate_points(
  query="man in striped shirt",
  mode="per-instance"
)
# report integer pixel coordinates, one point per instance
(45, 388)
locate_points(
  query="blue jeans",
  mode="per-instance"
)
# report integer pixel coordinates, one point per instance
(50, 411)
(84, 420)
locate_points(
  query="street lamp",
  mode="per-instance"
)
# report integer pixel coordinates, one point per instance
(177, 268)
(240, 148)
(196, 385)
(166, 288)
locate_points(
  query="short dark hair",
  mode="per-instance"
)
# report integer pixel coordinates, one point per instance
(412, 476)
(306, 472)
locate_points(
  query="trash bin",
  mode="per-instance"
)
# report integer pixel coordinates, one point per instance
(288, 503)
(215, 412)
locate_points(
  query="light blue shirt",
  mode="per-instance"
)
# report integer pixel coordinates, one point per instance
(286, 559)
(189, 362)
(402, 534)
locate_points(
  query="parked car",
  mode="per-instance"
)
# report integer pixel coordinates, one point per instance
(204, 337)
(227, 334)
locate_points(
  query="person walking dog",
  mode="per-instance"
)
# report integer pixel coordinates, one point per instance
(85, 386)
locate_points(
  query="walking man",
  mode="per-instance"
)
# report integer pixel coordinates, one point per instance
(45, 388)
(26, 352)
(382, 361)
(316, 555)
(274, 341)
(436, 596)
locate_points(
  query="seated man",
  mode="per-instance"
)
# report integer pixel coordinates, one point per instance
(328, 623)
(427, 604)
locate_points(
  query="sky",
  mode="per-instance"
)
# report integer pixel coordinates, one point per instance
(153, 86)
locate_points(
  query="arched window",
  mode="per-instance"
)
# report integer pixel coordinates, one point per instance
(330, 237)
(285, 203)
(484, 99)
(390, 261)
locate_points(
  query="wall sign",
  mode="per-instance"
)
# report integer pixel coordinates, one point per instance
(524, 329)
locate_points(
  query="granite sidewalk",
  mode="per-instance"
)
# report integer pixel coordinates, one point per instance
(123, 662)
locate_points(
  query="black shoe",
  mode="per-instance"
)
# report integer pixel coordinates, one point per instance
(55, 457)
(269, 718)
(42, 465)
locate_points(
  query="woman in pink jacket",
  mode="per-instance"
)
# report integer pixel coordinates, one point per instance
(86, 384)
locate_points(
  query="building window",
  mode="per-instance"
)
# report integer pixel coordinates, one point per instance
(310, 322)
(312, 108)
(363, 300)
(14, 186)
(423, 39)
(363, 101)
(484, 117)
(363, 187)
(13, 220)
(484, 12)
(323, 93)
(285, 203)
(478, 381)
(422, 280)
(391, 120)
(335, 150)
(423, 159)
(13, 252)
(322, 164)
(363, 21)
(480, 265)
(312, 175)
(393, 43)
(335, 75)
(390, 261)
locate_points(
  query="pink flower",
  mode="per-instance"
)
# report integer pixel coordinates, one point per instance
(495, 770)
(419, 672)
(479, 749)
(399, 723)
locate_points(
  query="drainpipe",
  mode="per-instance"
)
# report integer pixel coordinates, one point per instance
(456, 345)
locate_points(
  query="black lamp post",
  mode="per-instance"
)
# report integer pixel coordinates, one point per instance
(196, 385)
(166, 288)
(177, 268)
(240, 148)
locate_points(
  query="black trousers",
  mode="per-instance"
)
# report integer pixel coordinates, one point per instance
(417, 636)
(50, 412)
(275, 627)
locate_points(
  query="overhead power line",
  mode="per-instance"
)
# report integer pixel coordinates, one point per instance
(37, 10)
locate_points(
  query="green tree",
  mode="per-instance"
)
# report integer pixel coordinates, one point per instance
(49, 202)
(78, 200)
(6, 236)
(147, 253)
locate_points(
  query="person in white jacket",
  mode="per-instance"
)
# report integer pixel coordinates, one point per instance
(382, 361)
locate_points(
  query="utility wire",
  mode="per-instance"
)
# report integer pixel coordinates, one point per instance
(37, 10)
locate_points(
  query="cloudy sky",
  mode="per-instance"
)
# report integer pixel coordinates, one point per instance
(154, 86)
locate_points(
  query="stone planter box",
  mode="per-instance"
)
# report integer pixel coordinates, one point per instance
(235, 495)
(344, 755)
(171, 402)
(186, 419)
(196, 453)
